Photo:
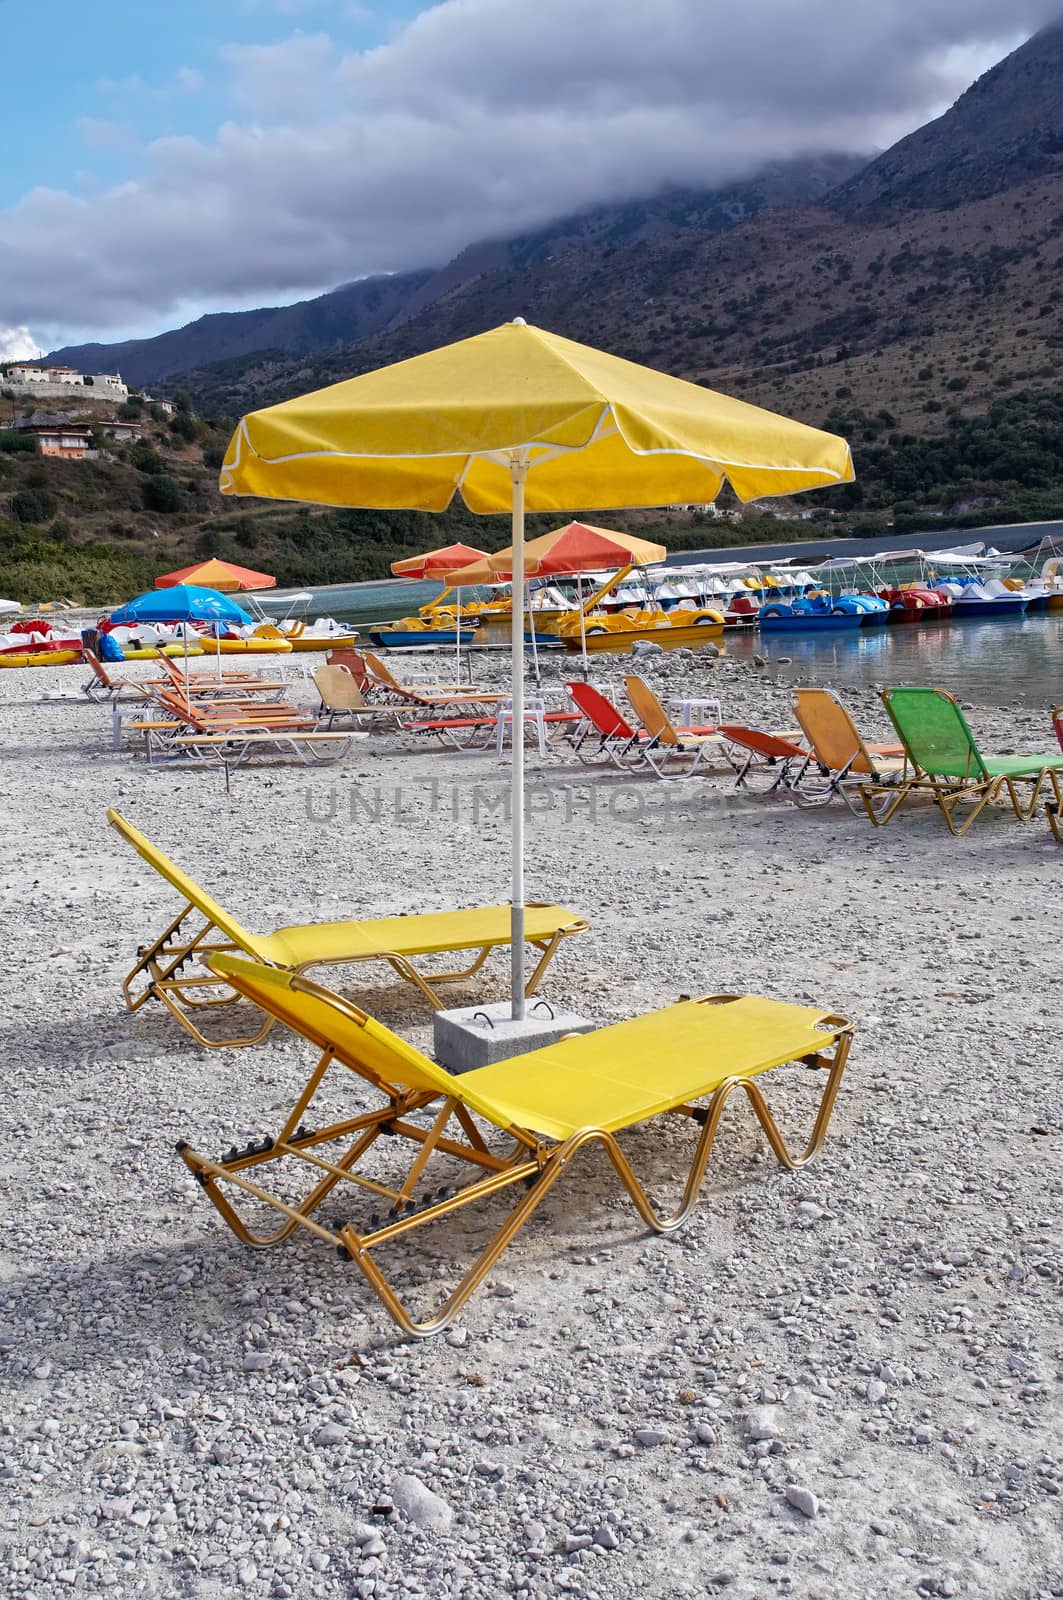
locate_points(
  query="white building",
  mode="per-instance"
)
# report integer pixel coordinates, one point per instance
(40, 378)
(27, 372)
(107, 384)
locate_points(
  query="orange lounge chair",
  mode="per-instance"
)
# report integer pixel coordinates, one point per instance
(839, 756)
(428, 699)
(664, 742)
(103, 688)
(617, 740)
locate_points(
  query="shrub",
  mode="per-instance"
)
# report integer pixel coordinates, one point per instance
(33, 505)
(185, 426)
(18, 443)
(162, 493)
(145, 458)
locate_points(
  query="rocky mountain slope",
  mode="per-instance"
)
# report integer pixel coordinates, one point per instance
(1006, 131)
(862, 302)
(337, 318)
(374, 305)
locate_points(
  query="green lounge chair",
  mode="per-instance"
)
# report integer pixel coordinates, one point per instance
(949, 766)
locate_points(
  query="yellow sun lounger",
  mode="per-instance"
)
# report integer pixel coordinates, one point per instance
(547, 1105)
(159, 973)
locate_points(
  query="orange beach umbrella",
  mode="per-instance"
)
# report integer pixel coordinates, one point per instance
(577, 547)
(437, 563)
(434, 564)
(220, 575)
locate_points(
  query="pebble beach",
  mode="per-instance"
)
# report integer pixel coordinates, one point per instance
(840, 1382)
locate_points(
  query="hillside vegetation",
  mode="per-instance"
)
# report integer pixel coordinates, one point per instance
(98, 531)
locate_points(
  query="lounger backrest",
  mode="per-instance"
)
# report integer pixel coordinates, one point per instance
(332, 1023)
(344, 656)
(98, 667)
(338, 690)
(186, 886)
(173, 671)
(761, 744)
(650, 712)
(174, 702)
(600, 712)
(831, 731)
(934, 732)
(382, 673)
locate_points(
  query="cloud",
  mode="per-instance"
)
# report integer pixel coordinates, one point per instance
(17, 344)
(105, 135)
(481, 118)
(286, 82)
(185, 81)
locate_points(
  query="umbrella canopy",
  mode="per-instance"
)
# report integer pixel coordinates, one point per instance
(436, 563)
(184, 603)
(514, 419)
(596, 431)
(220, 575)
(577, 547)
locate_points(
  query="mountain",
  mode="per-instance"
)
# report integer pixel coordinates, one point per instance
(374, 305)
(854, 301)
(351, 312)
(915, 290)
(1007, 129)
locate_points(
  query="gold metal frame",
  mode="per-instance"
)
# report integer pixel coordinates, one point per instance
(881, 801)
(531, 1161)
(1053, 808)
(160, 967)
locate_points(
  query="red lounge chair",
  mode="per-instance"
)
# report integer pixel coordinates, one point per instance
(616, 739)
(762, 752)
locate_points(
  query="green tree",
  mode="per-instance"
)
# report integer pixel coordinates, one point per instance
(185, 426)
(33, 505)
(145, 458)
(162, 493)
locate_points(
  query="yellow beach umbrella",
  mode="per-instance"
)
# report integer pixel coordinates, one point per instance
(514, 419)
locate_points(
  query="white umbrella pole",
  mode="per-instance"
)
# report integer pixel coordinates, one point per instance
(518, 467)
(457, 635)
(534, 639)
(582, 626)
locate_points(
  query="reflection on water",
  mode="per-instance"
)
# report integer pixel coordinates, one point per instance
(1002, 660)
(998, 661)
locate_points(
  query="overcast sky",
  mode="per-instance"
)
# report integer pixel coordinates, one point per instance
(231, 153)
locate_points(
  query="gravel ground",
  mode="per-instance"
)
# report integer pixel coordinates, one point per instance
(837, 1383)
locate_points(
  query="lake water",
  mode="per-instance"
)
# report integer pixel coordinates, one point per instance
(1002, 661)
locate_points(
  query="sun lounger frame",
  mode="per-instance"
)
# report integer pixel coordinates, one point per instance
(201, 928)
(532, 1161)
